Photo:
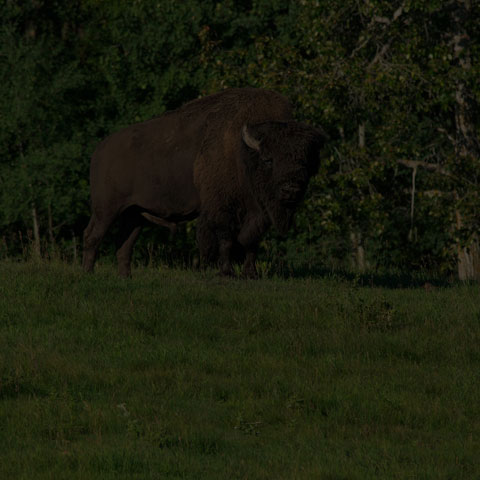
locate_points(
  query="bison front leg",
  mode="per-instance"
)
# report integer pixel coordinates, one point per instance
(207, 243)
(224, 250)
(249, 267)
(249, 237)
(215, 243)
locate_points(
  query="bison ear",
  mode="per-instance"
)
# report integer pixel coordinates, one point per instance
(250, 140)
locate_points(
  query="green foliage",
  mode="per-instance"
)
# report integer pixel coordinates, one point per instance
(178, 375)
(381, 77)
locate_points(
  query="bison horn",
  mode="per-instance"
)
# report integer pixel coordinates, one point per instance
(252, 142)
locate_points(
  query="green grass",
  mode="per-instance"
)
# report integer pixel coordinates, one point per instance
(183, 375)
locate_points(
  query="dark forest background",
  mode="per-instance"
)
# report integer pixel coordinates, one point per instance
(394, 83)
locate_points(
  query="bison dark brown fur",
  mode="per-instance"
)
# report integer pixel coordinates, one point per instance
(235, 159)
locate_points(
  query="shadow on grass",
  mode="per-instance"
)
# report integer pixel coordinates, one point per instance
(391, 280)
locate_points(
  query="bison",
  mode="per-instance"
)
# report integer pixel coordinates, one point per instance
(235, 159)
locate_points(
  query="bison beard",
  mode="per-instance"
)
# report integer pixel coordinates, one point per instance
(235, 159)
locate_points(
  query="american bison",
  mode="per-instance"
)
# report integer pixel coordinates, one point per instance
(236, 160)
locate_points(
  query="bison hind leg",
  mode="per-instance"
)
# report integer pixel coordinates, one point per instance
(92, 236)
(130, 226)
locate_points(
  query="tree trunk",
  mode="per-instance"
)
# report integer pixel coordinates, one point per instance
(74, 247)
(51, 236)
(469, 261)
(466, 141)
(466, 146)
(359, 263)
(468, 258)
(36, 233)
(361, 136)
(4, 247)
(356, 236)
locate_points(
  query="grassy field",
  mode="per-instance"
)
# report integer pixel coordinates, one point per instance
(183, 375)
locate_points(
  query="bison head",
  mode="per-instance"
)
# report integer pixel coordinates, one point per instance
(280, 159)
